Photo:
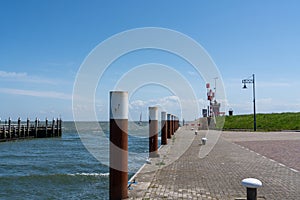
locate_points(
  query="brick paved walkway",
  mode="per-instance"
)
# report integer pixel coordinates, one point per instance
(217, 176)
(284, 147)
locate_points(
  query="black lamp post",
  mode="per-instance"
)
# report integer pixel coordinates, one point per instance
(245, 87)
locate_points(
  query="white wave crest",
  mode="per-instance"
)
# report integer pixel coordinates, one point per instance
(90, 174)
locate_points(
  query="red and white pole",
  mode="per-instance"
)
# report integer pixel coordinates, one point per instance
(118, 154)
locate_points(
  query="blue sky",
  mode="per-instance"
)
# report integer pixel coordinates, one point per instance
(43, 44)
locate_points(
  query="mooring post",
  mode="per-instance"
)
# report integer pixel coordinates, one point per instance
(57, 126)
(28, 126)
(164, 133)
(60, 127)
(53, 128)
(9, 128)
(172, 124)
(19, 127)
(169, 126)
(46, 127)
(175, 123)
(118, 148)
(153, 132)
(174, 128)
(251, 184)
(35, 127)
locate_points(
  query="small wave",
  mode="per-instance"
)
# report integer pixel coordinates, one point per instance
(90, 174)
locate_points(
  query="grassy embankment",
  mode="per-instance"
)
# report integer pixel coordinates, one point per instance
(265, 122)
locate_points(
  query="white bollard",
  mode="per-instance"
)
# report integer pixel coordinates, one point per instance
(203, 140)
(251, 184)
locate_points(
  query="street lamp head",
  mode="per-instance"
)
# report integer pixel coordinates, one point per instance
(245, 86)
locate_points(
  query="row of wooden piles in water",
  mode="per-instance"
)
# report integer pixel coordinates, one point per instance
(14, 130)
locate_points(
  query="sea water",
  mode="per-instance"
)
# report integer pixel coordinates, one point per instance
(63, 168)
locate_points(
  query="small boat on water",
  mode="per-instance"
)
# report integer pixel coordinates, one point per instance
(140, 122)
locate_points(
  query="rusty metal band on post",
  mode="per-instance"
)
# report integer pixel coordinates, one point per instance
(164, 134)
(118, 148)
(169, 135)
(153, 131)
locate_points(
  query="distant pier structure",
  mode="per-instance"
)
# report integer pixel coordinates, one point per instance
(14, 130)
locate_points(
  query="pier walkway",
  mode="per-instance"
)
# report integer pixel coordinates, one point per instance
(10, 131)
(179, 173)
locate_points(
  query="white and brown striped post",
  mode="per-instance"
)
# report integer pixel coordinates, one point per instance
(172, 124)
(164, 133)
(153, 132)
(118, 148)
(169, 126)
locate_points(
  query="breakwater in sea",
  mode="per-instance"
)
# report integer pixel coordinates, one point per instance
(13, 130)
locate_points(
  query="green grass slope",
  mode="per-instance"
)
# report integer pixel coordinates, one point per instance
(265, 122)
